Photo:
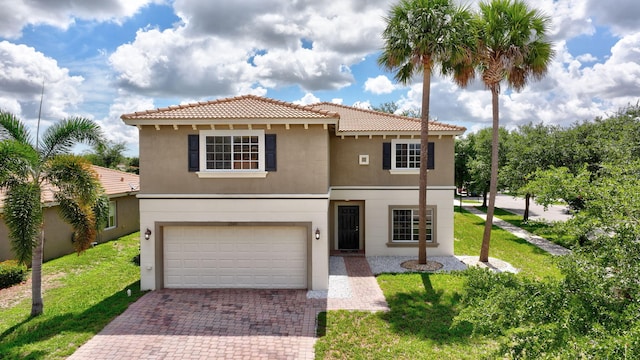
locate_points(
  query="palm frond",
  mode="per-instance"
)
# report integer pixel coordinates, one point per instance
(12, 128)
(423, 34)
(74, 177)
(81, 218)
(23, 217)
(60, 137)
(101, 211)
(16, 161)
(512, 44)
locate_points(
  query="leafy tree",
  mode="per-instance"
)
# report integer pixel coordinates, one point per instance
(512, 48)
(419, 35)
(480, 160)
(27, 166)
(108, 154)
(528, 149)
(388, 107)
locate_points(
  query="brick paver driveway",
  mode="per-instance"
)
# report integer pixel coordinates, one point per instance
(211, 324)
(230, 324)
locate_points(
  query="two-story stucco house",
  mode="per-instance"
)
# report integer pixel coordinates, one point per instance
(256, 193)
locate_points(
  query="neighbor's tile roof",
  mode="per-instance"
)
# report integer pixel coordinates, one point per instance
(361, 120)
(114, 183)
(240, 107)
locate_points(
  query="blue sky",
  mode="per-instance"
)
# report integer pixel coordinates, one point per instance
(100, 59)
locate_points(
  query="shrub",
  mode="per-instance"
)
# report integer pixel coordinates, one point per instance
(11, 273)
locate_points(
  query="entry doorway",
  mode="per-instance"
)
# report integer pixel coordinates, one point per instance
(348, 217)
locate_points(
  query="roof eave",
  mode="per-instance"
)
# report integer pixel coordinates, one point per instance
(227, 121)
(400, 133)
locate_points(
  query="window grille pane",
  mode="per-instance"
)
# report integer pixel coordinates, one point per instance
(406, 222)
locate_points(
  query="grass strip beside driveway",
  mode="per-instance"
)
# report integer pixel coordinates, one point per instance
(91, 291)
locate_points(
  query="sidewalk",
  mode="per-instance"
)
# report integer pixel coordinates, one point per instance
(544, 244)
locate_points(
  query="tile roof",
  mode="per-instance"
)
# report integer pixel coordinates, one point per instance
(263, 110)
(240, 107)
(114, 183)
(361, 120)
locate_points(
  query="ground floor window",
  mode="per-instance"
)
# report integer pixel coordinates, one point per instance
(405, 222)
(111, 221)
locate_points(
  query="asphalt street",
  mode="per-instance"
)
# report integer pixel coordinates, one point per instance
(536, 212)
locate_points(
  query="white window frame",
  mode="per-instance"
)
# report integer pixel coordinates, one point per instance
(402, 170)
(113, 214)
(414, 227)
(231, 173)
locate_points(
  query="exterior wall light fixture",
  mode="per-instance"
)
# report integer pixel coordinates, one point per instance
(147, 234)
(317, 234)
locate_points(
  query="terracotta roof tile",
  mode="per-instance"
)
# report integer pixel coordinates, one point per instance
(240, 107)
(114, 182)
(361, 120)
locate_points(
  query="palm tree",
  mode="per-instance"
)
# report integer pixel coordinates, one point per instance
(29, 167)
(420, 35)
(512, 47)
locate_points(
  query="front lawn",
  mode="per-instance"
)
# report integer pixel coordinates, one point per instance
(540, 228)
(420, 323)
(85, 293)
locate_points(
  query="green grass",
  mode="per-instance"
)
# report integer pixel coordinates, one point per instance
(420, 323)
(90, 292)
(531, 260)
(540, 228)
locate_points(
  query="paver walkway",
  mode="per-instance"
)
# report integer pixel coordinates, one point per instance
(228, 323)
(542, 243)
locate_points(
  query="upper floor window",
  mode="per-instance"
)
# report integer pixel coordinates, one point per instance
(407, 155)
(232, 153)
(402, 156)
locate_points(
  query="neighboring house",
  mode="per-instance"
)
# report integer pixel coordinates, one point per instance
(121, 188)
(257, 193)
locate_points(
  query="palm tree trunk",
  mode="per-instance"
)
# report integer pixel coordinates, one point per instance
(424, 148)
(36, 275)
(493, 184)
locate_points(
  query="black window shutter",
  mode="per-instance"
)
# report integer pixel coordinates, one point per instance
(194, 152)
(270, 158)
(386, 156)
(431, 156)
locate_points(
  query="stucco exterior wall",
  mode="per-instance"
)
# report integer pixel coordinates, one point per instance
(346, 171)
(234, 210)
(302, 158)
(127, 218)
(377, 202)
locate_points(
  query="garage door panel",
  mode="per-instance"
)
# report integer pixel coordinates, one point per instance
(235, 257)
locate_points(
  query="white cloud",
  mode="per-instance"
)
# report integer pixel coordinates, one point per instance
(379, 85)
(61, 14)
(23, 71)
(585, 58)
(362, 105)
(242, 45)
(338, 101)
(307, 99)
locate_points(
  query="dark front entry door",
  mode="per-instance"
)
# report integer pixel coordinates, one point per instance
(348, 227)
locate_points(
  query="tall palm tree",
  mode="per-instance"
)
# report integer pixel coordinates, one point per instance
(27, 168)
(512, 47)
(420, 35)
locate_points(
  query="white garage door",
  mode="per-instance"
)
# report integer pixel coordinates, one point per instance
(235, 257)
